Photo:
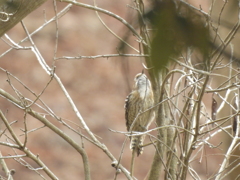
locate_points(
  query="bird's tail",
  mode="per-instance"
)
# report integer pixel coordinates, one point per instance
(137, 144)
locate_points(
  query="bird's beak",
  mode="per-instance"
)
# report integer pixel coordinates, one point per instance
(143, 71)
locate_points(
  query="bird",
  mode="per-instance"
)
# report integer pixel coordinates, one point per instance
(138, 111)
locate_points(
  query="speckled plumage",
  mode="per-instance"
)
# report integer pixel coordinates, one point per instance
(137, 102)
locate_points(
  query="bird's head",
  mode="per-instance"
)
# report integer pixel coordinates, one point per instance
(142, 84)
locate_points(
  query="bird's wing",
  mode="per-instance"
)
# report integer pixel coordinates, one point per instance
(131, 109)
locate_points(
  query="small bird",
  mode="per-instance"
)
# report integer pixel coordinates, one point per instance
(138, 112)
